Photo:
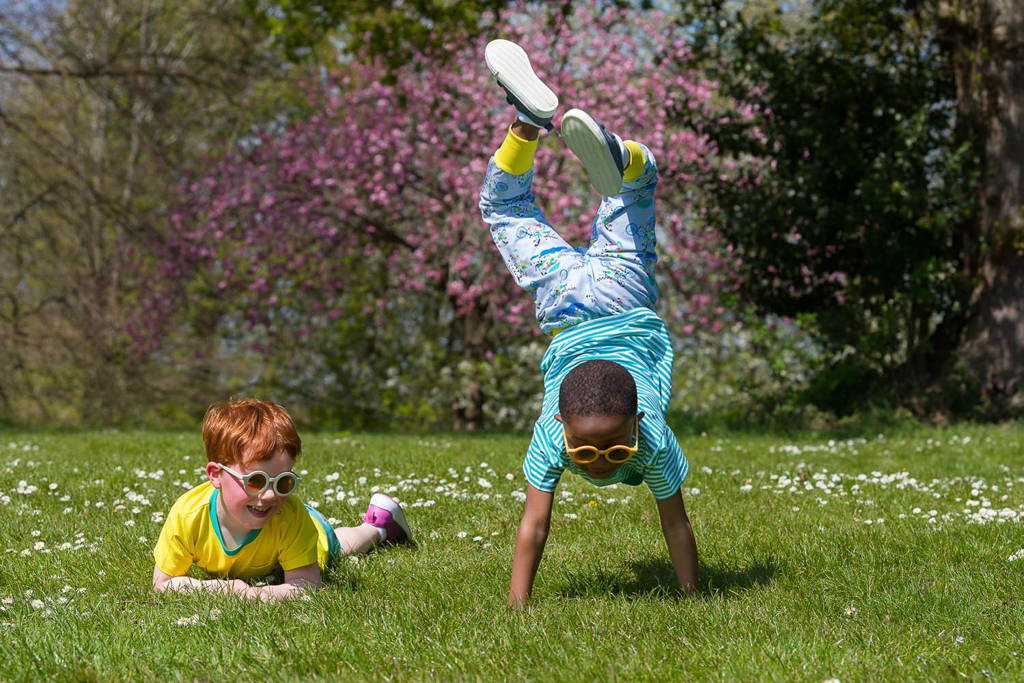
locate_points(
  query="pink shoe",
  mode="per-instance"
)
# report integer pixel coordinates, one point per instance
(385, 513)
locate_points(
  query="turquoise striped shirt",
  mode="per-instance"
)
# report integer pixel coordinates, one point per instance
(638, 341)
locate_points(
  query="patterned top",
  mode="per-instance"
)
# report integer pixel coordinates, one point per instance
(638, 341)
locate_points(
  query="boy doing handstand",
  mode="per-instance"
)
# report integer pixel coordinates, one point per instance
(244, 522)
(608, 369)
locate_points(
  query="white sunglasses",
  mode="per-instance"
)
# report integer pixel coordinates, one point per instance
(257, 482)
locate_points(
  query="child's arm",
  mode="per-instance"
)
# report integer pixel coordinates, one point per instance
(297, 582)
(530, 540)
(682, 547)
(163, 581)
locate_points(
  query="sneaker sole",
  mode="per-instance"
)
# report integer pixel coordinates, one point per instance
(391, 505)
(511, 66)
(584, 137)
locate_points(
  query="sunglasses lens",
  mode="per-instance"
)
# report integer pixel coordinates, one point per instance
(585, 455)
(286, 484)
(618, 455)
(256, 483)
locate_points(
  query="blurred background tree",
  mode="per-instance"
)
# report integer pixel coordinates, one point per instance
(886, 122)
(104, 104)
(396, 31)
(238, 197)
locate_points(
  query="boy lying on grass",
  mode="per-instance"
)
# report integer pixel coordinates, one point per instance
(244, 522)
(608, 370)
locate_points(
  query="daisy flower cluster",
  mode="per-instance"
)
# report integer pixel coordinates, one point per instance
(937, 501)
(196, 620)
(31, 603)
(23, 446)
(77, 543)
(134, 498)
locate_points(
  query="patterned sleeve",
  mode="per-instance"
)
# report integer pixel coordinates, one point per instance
(669, 468)
(542, 465)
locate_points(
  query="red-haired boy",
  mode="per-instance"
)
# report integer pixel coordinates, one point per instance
(243, 523)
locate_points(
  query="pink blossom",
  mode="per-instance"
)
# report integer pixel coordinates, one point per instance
(362, 201)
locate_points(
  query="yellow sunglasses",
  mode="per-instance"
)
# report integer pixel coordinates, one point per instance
(616, 455)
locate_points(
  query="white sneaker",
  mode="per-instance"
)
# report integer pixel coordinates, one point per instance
(535, 103)
(601, 151)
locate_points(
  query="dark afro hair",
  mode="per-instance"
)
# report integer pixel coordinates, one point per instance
(597, 387)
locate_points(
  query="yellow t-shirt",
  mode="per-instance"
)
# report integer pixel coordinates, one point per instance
(191, 535)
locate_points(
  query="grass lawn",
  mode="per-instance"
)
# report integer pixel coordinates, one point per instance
(880, 558)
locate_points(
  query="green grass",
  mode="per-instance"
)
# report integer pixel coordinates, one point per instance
(796, 583)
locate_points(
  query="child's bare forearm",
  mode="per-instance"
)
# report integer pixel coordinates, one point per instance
(284, 591)
(682, 547)
(279, 592)
(530, 543)
(530, 540)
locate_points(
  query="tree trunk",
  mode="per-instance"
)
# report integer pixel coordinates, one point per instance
(995, 341)
(985, 41)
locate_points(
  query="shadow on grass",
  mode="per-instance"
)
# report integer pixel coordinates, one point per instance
(724, 581)
(656, 578)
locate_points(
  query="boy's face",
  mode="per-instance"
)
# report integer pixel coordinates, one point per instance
(600, 431)
(238, 509)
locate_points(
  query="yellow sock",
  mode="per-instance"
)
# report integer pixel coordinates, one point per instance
(515, 155)
(636, 162)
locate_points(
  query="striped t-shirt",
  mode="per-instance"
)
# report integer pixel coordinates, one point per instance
(638, 341)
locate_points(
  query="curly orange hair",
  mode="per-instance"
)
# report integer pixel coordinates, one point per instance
(247, 430)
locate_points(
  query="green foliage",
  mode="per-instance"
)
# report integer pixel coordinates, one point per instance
(793, 588)
(745, 374)
(343, 373)
(395, 30)
(859, 221)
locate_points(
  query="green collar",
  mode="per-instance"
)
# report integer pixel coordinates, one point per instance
(250, 537)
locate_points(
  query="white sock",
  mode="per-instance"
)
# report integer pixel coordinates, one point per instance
(526, 118)
(380, 532)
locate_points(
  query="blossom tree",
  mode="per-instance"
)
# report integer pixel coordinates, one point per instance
(350, 242)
